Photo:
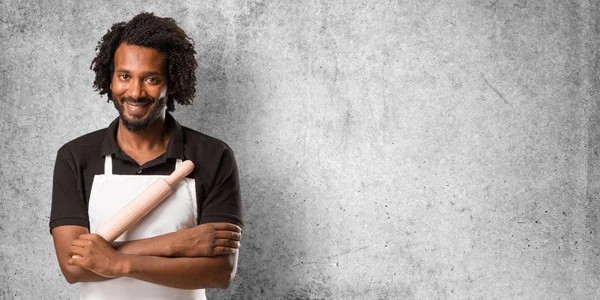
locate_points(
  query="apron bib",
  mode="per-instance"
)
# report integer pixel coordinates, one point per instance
(109, 194)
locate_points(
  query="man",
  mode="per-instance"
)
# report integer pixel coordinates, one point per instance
(190, 241)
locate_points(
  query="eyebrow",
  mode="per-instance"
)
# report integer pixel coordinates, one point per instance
(144, 74)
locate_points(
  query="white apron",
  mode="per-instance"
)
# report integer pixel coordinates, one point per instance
(109, 194)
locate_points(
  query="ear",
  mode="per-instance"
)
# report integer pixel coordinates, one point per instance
(171, 91)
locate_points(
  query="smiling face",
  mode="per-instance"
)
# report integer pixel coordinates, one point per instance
(139, 86)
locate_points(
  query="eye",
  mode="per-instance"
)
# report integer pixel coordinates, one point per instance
(124, 77)
(153, 80)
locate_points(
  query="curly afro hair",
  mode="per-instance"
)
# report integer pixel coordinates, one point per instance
(150, 31)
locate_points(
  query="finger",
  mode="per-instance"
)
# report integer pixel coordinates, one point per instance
(76, 260)
(92, 237)
(224, 251)
(226, 226)
(98, 237)
(81, 243)
(226, 243)
(87, 236)
(229, 235)
(76, 257)
(76, 250)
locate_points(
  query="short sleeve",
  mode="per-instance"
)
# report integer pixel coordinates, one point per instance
(223, 200)
(68, 207)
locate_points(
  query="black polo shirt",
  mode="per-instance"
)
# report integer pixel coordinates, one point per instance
(215, 173)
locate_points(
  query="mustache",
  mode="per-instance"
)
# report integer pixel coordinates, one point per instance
(138, 100)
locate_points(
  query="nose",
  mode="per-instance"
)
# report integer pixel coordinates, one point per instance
(135, 90)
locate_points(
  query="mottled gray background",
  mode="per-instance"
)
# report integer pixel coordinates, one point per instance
(387, 149)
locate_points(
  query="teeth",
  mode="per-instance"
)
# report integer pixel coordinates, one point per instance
(133, 107)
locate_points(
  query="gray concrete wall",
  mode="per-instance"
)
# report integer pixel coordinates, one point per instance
(387, 149)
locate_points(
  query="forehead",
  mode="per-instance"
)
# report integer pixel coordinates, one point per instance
(134, 58)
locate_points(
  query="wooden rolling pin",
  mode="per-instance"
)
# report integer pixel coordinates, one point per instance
(143, 203)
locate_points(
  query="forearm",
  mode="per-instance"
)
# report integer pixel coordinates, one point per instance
(202, 256)
(204, 240)
(162, 245)
(156, 246)
(62, 237)
(166, 245)
(74, 274)
(182, 272)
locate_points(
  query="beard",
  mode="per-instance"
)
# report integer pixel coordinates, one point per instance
(135, 123)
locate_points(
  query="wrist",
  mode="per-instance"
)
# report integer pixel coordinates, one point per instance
(124, 266)
(175, 248)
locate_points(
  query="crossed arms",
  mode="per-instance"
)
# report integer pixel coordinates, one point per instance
(204, 256)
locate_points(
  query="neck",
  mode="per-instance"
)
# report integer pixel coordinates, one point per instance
(153, 139)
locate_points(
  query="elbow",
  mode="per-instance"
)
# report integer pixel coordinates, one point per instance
(72, 274)
(220, 272)
(225, 280)
(218, 280)
(227, 274)
(229, 279)
(225, 277)
(71, 278)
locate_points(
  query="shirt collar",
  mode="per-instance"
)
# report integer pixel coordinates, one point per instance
(174, 147)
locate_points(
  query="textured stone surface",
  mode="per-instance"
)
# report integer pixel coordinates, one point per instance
(387, 149)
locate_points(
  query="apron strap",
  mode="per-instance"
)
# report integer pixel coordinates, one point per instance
(108, 165)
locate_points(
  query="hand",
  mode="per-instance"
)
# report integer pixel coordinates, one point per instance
(96, 255)
(210, 239)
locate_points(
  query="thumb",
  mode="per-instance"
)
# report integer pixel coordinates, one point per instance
(74, 261)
